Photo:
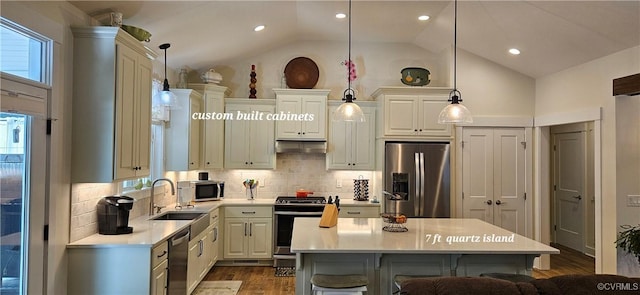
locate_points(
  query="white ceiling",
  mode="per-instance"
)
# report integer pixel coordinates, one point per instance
(552, 35)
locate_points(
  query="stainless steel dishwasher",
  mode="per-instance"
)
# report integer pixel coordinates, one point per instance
(178, 250)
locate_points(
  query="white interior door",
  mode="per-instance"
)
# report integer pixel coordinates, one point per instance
(477, 173)
(509, 179)
(569, 197)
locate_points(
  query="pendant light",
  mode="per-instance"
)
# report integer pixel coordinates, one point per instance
(455, 112)
(349, 110)
(165, 97)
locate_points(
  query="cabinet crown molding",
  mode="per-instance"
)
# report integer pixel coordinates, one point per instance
(301, 91)
(115, 33)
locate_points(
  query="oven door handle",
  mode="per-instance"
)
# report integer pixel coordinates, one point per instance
(297, 213)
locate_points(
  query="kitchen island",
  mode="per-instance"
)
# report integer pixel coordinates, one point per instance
(430, 247)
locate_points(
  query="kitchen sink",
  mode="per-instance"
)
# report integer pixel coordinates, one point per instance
(179, 216)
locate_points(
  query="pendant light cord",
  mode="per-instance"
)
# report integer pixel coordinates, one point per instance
(349, 58)
(455, 45)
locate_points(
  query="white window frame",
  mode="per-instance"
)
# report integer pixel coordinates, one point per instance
(46, 53)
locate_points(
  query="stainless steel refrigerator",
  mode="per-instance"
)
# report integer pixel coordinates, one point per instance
(418, 175)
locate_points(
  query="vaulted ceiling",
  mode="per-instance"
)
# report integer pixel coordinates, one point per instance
(551, 35)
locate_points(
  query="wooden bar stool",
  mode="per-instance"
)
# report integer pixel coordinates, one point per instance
(338, 284)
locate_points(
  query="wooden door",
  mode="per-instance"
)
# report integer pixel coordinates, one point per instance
(509, 179)
(568, 165)
(477, 174)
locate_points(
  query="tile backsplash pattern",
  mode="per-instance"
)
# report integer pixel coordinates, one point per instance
(85, 197)
(293, 172)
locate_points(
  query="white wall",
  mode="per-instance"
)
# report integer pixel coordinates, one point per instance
(488, 89)
(589, 86)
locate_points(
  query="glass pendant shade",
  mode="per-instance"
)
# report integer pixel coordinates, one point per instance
(455, 113)
(348, 111)
(166, 98)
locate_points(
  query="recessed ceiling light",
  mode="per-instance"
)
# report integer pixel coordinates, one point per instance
(258, 28)
(514, 51)
(423, 17)
(340, 15)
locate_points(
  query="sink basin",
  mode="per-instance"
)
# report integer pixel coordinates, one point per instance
(179, 216)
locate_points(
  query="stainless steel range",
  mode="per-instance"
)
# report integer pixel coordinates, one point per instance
(285, 210)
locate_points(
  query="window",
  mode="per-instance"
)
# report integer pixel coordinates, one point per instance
(23, 53)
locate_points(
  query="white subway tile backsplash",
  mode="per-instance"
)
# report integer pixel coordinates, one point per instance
(294, 171)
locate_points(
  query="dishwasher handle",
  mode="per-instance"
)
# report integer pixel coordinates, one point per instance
(181, 239)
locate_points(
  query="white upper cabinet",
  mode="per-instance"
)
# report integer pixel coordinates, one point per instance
(212, 136)
(309, 107)
(182, 132)
(249, 141)
(351, 145)
(111, 132)
(412, 111)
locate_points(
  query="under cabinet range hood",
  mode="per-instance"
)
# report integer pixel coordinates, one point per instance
(301, 147)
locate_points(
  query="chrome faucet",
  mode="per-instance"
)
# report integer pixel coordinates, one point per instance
(151, 201)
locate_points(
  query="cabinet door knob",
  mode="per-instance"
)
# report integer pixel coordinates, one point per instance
(420, 130)
(251, 163)
(298, 133)
(208, 163)
(498, 202)
(416, 130)
(489, 202)
(246, 163)
(303, 133)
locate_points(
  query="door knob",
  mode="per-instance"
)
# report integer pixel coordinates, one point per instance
(489, 202)
(578, 197)
(498, 202)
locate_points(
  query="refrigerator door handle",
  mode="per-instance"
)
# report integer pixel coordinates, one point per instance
(422, 185)
(417, 197)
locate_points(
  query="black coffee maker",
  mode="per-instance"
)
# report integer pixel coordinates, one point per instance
(113, 215)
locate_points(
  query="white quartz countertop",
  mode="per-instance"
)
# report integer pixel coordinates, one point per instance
(147, 232)
(424, 235)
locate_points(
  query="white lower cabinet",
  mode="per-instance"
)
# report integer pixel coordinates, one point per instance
(248, 233)
(159, 277)
(203, 253)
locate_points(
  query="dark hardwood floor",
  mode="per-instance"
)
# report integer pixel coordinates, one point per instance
(261, 279)
(569, 261)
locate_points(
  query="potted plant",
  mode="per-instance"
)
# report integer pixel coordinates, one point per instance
(629, 240)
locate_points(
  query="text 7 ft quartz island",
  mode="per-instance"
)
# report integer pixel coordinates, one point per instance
(430, 247)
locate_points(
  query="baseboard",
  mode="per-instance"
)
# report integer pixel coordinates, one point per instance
(245, 262)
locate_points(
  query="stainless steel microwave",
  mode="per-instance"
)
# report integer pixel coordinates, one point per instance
(208, 190)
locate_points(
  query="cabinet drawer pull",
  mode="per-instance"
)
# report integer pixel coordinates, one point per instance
(163, 254)
(353, 212)
(248, 212)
